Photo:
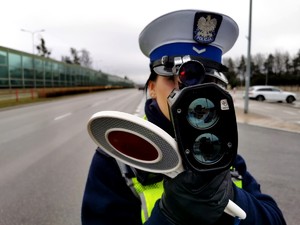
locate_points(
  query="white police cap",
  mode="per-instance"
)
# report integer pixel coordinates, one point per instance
(189, 32)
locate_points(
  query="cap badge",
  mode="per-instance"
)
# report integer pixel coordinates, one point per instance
(206, 27)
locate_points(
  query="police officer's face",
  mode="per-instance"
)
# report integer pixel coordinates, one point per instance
(160, 89)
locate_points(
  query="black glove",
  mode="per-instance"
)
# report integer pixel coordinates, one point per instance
(195, 198)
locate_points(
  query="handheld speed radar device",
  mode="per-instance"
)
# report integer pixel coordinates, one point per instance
(205, 126)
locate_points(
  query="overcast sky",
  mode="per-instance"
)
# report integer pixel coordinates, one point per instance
(109, 29)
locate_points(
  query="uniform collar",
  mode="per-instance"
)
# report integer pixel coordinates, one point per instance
(156, 117)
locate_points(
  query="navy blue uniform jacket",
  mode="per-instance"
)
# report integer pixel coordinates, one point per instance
(108, 200)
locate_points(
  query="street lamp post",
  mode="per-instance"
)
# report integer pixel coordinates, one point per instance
(33, 61)
(248, 73)
(32, 34)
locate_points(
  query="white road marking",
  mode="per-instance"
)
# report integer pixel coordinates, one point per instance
(62, 116)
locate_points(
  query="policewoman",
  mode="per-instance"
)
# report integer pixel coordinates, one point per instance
(118, 194)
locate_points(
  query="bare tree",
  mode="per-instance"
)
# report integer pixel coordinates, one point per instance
(279, 63)
(296, 64)
(231, 74)
(42, 49)
(79, 58)
(259, 60)
(287, 62)
(85, 59)
(242, 68)
(269, 64)
(66, 59)
(75, 56)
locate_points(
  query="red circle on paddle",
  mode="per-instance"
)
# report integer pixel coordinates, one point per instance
(132, 146)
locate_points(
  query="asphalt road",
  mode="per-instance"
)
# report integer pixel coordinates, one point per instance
(45, 152)
(273, 158)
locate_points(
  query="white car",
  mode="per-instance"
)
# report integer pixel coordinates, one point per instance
(271, 93)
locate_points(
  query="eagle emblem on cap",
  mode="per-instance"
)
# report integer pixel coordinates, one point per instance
(206, 27)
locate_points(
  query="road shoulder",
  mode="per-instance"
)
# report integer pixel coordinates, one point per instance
(264, 121)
